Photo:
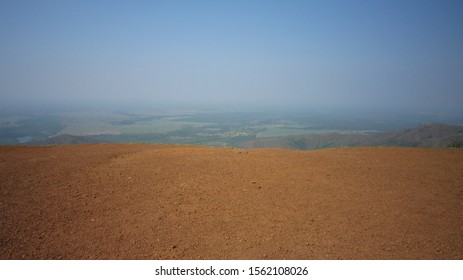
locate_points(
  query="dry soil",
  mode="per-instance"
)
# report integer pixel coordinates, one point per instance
(182, 202)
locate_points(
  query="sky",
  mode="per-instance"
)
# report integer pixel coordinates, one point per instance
(386, 55)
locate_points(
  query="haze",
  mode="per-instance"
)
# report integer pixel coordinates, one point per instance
(385, 55)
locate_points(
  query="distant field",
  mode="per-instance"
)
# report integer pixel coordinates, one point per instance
(272, 131)
(159, 126)
(195, 127)
(91, 127)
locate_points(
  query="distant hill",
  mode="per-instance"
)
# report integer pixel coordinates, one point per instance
(431, 135)
(66, 139)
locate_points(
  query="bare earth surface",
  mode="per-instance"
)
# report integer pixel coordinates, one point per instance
(179, 202)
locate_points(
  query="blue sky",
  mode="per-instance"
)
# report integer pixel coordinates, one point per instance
(391, 55)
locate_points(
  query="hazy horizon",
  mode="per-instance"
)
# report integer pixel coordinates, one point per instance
(389, 56)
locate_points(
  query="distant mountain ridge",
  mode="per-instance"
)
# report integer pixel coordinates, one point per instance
(429, 135)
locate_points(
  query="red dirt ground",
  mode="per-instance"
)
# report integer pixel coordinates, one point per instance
(180, 202)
